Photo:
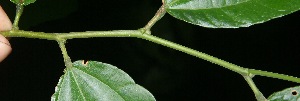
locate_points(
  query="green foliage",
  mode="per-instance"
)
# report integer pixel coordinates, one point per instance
(23, 2)
(289, 94)
(229, 13)
(96, 81)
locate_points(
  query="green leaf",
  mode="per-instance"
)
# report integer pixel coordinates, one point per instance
(289, 94)
(229, 13)
(96, 81)
(23, 2)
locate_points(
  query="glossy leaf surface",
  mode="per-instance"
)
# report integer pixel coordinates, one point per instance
(23, 2)
(229, 13)
(289, 94)
(96, 81)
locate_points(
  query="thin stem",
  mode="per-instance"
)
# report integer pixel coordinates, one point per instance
(159, 14)
(196, 53)
(115, 33)
(71, 35)
(17, 17)
(258, 95)
(29, 34)
(67, 60)
(274, 75)
(139, 34)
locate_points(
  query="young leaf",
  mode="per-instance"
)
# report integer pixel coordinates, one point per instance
(96, 81)
(229, 13)
(23, 2)
(289, 94)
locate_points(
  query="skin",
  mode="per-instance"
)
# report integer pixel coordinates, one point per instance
(5, 25)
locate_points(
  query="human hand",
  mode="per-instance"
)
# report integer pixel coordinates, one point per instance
(5, 25)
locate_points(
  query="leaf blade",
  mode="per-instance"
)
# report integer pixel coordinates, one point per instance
(229, 13)
(288, 94)
(98, 81)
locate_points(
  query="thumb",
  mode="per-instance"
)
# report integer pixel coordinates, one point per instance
(5, 25)
(5, 48)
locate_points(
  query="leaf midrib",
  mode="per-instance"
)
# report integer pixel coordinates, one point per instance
(102, 82)
(221, 7)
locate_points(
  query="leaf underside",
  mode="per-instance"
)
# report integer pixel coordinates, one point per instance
(229, 13)
(23, 2)
(289, 94)
(96, 81)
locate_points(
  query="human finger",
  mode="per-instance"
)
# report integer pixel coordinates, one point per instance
(5, 25)
(5, 48)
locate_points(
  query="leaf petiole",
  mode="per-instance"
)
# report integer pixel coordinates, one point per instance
(159, 14)
(67, 59)
(19, 12)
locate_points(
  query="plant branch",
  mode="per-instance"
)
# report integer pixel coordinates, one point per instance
(274, 75)
(196, 53)
(258, 95)
(89, 34)
(140, 34)
(29, 34)
(71, 35)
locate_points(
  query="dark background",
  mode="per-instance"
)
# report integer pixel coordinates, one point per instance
(32, 71)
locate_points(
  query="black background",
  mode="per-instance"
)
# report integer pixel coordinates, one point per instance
(32, 71)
